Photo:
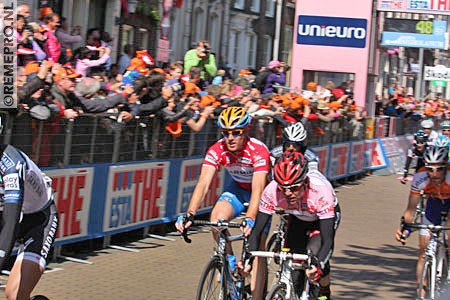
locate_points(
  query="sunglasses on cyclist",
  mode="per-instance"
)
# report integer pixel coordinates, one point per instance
(436, 168)
(291, 188)
(234, 132)
(444, 130)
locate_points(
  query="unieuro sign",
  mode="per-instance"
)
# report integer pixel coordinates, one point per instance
(328, 31)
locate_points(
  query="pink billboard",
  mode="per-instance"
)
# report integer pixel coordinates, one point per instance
(331, 43)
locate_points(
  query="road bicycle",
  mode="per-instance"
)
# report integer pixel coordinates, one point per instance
(217, 280)
(276, 241)
(283, 289)
(435, 273)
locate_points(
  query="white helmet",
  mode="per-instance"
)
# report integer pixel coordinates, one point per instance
(427, 124)
(295, 132)
(436, 155)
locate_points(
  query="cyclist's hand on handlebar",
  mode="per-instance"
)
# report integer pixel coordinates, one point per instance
(184, 222)
(404, 180)
(402, 235)
(314, 273)
(247, 226)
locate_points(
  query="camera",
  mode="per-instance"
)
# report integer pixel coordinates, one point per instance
(178, 89)
(206, 50)
(30, 29)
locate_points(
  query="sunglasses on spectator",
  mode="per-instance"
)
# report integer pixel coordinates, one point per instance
(233, 132)
(291, 188)
(436, 168)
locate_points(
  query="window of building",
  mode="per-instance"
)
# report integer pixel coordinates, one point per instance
(252, 43)
(127, 35)
(267, 49)
(199, 25)
(239, 4)
(214, 32)
(144, 38)
(287, 43)
(255, 6)
(270, 8)
(236, 48)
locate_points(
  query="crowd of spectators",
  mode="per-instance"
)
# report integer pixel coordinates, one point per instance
(60, 82)
(402, 103)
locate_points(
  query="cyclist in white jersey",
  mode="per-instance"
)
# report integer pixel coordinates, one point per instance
(28, 215)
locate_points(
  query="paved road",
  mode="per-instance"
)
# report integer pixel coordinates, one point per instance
(367, 264)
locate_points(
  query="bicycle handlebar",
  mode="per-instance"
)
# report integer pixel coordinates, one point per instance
(285, 255)
(433, 228)
(219, 223)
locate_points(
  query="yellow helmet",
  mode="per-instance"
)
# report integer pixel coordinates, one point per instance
(234, 117)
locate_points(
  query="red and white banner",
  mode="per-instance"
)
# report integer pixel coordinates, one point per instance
(136, 194)
(189, 174)
(338, 166)
(72, 189)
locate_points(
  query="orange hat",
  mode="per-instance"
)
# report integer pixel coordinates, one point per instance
(191, 88)
(45, 11)
(311, 86)
(64, 73)
(244, 72)
(31, 68)
(335, 105)
(174, 128)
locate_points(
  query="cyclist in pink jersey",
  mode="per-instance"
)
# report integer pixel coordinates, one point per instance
(247, 161)
(315, 215)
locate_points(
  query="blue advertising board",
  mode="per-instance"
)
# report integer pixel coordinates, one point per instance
(329, 31)
(437, 40)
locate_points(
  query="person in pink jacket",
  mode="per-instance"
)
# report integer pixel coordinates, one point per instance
(52, 47)
(85, 59)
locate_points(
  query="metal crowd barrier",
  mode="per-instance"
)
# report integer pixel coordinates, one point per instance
(99, 138)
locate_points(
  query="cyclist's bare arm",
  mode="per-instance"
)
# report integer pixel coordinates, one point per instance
(408, 215)
(201, 189)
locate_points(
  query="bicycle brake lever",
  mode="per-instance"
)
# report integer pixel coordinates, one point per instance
(185, 236)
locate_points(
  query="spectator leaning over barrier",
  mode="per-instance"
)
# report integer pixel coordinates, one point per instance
(202, 58)
(28, 214)
(62, 90)
(85, 59)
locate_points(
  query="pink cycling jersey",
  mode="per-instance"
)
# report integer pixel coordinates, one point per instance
(318, 202)
(252, 158)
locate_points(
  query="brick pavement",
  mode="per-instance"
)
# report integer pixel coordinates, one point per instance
(367, 264)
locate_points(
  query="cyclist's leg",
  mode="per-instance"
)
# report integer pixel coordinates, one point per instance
(296, 241)
(24, 276)
(39, 228)
(424, 237)
(257, 241)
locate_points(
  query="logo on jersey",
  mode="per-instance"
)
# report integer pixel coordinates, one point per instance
(11, 182)
(6, 163)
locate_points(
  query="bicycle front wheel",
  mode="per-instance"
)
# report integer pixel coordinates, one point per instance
(427, 284)
(212, 284)
(278, 292)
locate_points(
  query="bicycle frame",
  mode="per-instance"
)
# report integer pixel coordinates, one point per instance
(284, 273)
(436, 253)
(232, 286)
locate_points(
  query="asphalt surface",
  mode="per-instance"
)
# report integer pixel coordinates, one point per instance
(367, 264)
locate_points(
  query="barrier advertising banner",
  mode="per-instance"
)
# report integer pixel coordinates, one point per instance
(72, 191)
(374, 155)
(136, 194)
(338, 166)
(356, 158)
(189, 174)
(323, 152)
